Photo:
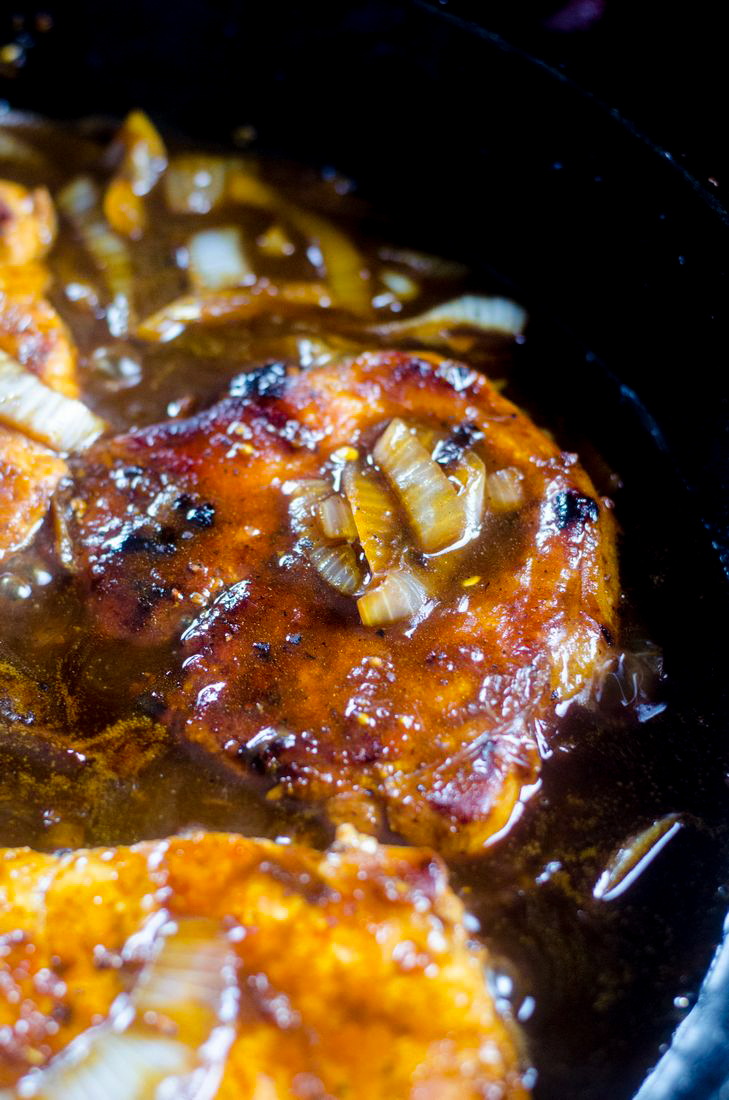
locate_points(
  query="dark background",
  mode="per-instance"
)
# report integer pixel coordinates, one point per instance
(661, 66)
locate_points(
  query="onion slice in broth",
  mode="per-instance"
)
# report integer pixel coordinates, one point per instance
(220, 307)
(336, 564)
(399, 596)
(471, 473)
(335, 517)
(505, 490)
(375, 516)
(80, 202)
(195, 183)
(469, 311)
(217, 259)
(430, 500)
(45, 415)
(143, 159)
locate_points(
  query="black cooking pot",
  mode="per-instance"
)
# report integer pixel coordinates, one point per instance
(470, 149)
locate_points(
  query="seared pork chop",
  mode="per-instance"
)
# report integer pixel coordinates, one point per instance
(378, 580)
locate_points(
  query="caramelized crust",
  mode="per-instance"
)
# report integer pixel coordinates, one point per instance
(32, 333)
(29, 475)
(182, 532)
(27, 223)
(354, 972)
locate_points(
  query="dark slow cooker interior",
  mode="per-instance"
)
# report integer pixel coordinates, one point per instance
(466, 148)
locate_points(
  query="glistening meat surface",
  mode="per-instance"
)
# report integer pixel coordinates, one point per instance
(188, 536)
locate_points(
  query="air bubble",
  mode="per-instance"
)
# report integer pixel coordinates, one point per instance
(13, 587)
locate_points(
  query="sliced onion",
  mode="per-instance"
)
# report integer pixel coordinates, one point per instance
(170, 1036)
(143, 152)
(195, 184)
(20, 151)
(306, 491)
(402, 286)
(62, 538)
(30, 406)
(217, 260)
(187, 980)
(335, 517)
(429, 267)
(632, 858)
(469, 311)
(400, 596)
(339, 261)
(276, 242)
(375, 516)
(432, 438)
(220, 307)
(471, 473)
(80, 202)
(243, 186)
(342, 265)
(143, 159)
(430, 500)
(336, 564)
(505, 490)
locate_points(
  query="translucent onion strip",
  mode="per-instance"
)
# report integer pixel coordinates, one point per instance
(334, 255)
(505, 490)
(275, 242)
(198, 185)
(220, 307)
(430, 500)
(195, 184)
(469, 311)
(244, 187)
(169, 1037)
(335, 517)
(471, 473)
(19, 151)
(143, 159)
(80, 202)
(432, 438)
(341, 264)
(336, 564)
(217, 259)
(400, 596)
(422, 264)
(375, 516)
(45, 415)
(402, 286)
(632, 858)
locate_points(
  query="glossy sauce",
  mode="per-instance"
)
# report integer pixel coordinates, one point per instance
(592, 980)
